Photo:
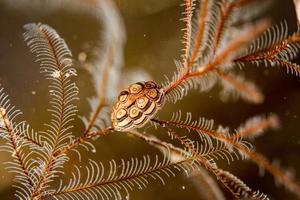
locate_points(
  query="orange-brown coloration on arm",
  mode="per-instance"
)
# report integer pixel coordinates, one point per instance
(200, 32)
(223, 57)
(187, 33)
(246, 89)
(226, 9)
(259, 159)
(269, 122)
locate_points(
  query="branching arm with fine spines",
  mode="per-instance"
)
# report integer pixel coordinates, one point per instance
(206, 128)
(205, 61)
(135, 173)
(235, 86)
(236, 186)
(213, 49)
(206, 156)
(105, 73)
(108, 64)
(275, 47)
(256, 126)
(181, 80)
(56, 63)
(17, 137)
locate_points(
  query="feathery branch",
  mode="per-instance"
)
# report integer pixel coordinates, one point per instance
(274, 47)
(200, 32)
(255, 126)
(241, 146)
(237, 86)
(55, 60)
(107, 67)
(15, 145)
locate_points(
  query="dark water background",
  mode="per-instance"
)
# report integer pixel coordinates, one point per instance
(153, 42)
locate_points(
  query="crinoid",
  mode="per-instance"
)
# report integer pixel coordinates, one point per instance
(219, 36)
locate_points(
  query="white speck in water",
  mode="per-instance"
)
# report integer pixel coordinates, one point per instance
(183, 187)
(33, 92)
(144, 35)
(295, 116)
(127, 197)
(93, 150)
(82, 56)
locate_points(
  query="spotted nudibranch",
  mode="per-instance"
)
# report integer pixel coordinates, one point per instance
(136, 105)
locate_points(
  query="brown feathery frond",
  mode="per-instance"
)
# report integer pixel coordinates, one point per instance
(226, 9)
(255, 126)
(206, 186)
(56, 63)
(198, 32)
(223, 58)
(282, 177)
(214, 26)
(212, 18)
(105, 71)
(15, 142)
(227, 54)
(274, 47)
(235, 86)
(209, 51)
(240, 145)
(166, 148)
(23, 128)
(231, 12)
(201, 83)
(188, 15)
(30, 135)
(237, 187)
(273, 37)
(232, 183)
(177, 154)
(83, 141)
(122, 178)
(180, 83)
(107, 67)
(210, 150)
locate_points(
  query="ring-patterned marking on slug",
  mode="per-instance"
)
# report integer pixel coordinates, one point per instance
(136, 105)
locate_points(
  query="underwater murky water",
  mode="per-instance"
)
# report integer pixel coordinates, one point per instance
(153, 42)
